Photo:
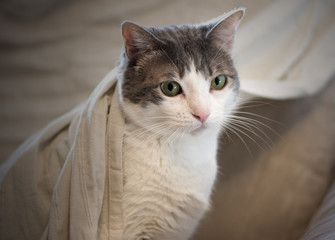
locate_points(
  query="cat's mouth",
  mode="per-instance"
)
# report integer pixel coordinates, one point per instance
(199, 129)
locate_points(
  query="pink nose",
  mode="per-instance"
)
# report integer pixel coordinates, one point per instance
(201, 116)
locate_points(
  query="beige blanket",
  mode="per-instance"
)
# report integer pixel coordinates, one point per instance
(287, 50)
(65, 182)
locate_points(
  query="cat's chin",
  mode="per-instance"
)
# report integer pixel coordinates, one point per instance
(199, 130)
(205, 129)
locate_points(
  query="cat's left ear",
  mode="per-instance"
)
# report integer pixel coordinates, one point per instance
(223, 33)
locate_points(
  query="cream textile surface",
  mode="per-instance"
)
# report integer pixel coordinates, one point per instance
(74, 186)
(289, 49)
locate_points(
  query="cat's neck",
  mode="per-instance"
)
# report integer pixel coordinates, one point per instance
(200, 144)
(147, 133)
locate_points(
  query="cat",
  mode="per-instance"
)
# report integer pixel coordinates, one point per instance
(177, 87)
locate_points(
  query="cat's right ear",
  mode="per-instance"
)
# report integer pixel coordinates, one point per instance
(137, 39)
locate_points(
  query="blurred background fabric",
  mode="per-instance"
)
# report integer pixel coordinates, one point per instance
(273, 177)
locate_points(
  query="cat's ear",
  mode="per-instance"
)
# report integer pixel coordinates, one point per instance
(137, 39)
(223, 32)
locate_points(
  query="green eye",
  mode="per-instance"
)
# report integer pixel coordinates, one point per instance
(219, 82)
(170, 88)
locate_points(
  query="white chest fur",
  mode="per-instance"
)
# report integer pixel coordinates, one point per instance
(166, 186)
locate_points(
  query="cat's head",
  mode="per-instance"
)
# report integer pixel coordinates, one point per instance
(179, 78)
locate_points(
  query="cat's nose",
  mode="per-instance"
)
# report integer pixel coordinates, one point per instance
(201, 116)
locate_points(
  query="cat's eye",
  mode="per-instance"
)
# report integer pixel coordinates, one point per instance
(219, 82)
(171, 88)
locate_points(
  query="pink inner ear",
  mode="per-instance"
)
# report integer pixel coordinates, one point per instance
(223, 33)
(136, 39)
(129, 38)
(126, 33)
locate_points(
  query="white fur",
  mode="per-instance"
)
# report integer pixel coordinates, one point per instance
(169, 160)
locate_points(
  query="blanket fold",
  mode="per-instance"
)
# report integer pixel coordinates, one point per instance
(287, 50)
(68, 178)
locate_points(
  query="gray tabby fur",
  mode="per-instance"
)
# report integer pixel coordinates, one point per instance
(177, 47)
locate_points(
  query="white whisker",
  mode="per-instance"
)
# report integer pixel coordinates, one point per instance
(241, 126)
(254, 103)
(254, 121)
(259, 116)
(251, 127)
(234, 130)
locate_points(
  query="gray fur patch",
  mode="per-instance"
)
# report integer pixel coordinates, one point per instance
(179, 47)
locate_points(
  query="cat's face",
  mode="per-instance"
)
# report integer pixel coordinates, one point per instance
(179, 79)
